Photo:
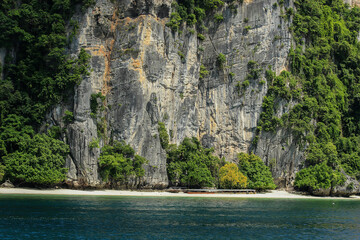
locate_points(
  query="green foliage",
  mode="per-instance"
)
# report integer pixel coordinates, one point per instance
(94, 143)
(2, 172)
(317, 177)
(175, 21)
(41, 75)
(118, 163)
(69, 117)
(230, 177)
(38, 161)
(254, 70)
(218, 18)
(259, 175)
(245, 84)
(191, 12)
(200, 37)
(203, 72)
(324, 83)
(247, 29)
(221, 60)
(182, 56)
(163, 135)
(191, 165)
(94, 102)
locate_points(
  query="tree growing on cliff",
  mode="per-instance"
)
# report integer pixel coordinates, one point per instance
(231, 177)
(259, 175)
(118, 163)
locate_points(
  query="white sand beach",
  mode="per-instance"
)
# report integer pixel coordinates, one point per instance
(270, 194)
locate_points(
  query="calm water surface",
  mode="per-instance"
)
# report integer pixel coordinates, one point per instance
(80, 217)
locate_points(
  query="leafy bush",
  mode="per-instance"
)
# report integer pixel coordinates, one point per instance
(203, 72)
(218, 18)
(317, 177)
(221, 60)
(40, 160)
(230, 177)
(94, 103)
(163, 135)
(191, 165)
(118, 163)
(175, 21)
(2, 172)
(247, 29)
(69, 117)
(94, 143)
(200, 37)
(246, 83)
(182, 56)
(259, 175)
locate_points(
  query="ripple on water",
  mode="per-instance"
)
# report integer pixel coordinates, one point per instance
(70, 217)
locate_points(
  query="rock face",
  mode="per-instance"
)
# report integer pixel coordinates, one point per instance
(149, 74)
(353, 2)
(7, 184)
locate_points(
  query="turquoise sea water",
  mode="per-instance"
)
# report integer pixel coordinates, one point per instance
(80, 217)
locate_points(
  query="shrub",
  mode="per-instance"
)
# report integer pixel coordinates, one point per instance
(182, 56)
(118, 162)
(231, 177)
(94, 143)
(259, 175)
(221, 60)
(203, 72)
(247, 29)
(69, 117)
(94, 104)
(200, 37)
(2, 172)
(218, 18)
(317, 177)
(163, 135)
(175, 21)
(245, 84)
(191, 165)
(39, 161)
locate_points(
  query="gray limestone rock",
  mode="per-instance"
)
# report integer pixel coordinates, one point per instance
(7, 184)
(149, 74)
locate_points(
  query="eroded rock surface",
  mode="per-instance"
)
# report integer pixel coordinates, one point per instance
(149, 74)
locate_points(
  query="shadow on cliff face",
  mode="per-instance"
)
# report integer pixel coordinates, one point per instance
(145, 7)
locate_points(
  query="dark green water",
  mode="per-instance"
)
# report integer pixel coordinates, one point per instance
(74, 217)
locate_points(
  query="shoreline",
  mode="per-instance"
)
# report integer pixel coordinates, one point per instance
(273, 194)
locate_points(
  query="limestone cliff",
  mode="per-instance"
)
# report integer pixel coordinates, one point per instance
(149, 74)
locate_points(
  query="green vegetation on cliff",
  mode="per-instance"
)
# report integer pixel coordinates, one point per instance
(324, 84)
(119, 163)
(38, 73)
(192, 12)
